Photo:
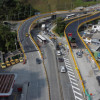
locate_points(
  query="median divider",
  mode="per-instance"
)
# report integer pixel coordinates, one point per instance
(85, 43)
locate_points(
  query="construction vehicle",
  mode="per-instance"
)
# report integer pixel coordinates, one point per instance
(72, 41)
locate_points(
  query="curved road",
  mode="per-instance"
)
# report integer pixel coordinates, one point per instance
(28, 47)
(72, 28)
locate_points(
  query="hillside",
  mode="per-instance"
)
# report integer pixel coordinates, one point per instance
(53, 5)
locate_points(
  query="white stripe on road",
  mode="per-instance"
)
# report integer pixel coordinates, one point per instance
(75, 87)
(73, 79)
(68, 66)
(71, 75)
(70, 72)
(69, 69)
(74, 83)
(78, 98)
(77, 92)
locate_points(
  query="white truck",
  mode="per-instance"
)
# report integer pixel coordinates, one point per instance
(96, 28)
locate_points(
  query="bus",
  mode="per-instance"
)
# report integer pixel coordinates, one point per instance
(70, 16)
(41, 39)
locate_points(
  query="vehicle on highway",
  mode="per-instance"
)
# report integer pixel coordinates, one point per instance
(60, 59)
(38, 61)
(73, 43)
(41, 39)
(16, 61)
(8, 63)
(70, 16)
(3, 65)
(79, 54)
(26, 34)
(12, 61)
(98, 79)
(63, 69)
(58, 53)
(57, 47)
(21, 59)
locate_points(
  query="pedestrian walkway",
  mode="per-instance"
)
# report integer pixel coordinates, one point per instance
(73, 80)
(89, 72)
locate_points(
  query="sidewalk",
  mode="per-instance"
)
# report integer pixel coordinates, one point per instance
(89, 72)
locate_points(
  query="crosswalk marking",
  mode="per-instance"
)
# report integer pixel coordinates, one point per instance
(77, 92)
(69, 69)
(70, 72)
(74, 83)
(78, 98)
(73, 79)
(75, 87)
(71, 75)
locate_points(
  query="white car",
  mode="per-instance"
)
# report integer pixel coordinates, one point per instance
(58, 53)
(63, 69)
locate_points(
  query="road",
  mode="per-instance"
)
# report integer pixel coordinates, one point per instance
(86, 67)
(30, 48)
(72, 28)
(35, 74)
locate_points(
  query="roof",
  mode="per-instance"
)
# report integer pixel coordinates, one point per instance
(6, 83)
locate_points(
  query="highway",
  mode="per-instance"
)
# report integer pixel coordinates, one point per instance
(30, 48)
(72, 28)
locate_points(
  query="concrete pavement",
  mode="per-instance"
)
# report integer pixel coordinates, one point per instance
(89, 72)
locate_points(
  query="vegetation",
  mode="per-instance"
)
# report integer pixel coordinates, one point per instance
(15, 10)
(7, 39)
(60, 26)
(54, 5)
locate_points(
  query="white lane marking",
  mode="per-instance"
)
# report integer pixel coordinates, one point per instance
(70, 72)
(66, 63)
(78, 98)
(71, 75)
(69, 66)
(69, 69)
(77, 92)
(74, 83)
(75, 87)
(73, 79)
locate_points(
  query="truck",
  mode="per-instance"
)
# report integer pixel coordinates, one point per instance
(72, 42)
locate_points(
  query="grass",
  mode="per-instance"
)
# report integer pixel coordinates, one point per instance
(54, 5)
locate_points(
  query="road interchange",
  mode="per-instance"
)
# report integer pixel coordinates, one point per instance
(27, 44)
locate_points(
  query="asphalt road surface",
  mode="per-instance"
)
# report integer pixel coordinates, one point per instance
(72, 28)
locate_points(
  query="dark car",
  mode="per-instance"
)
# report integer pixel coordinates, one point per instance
(38, 61)
(60, 59)
(98, 79)
(57, 47)
(79, 54)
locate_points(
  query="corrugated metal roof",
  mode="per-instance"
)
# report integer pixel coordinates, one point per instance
(6, 84)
